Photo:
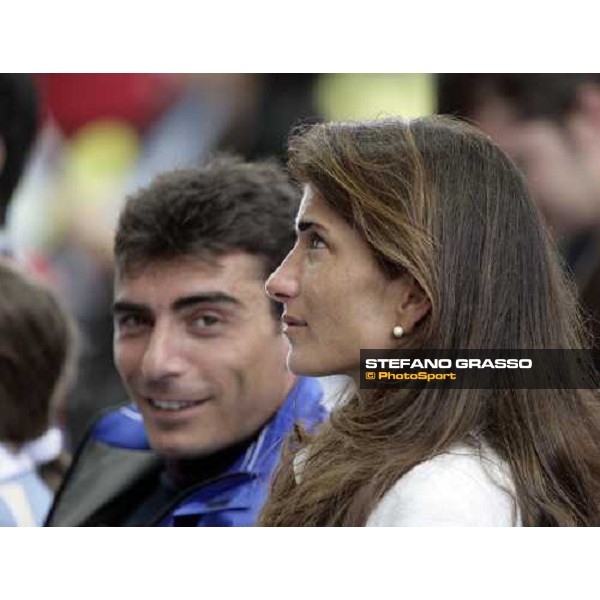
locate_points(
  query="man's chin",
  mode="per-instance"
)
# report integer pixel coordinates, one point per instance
(171, 448)
(171, 452)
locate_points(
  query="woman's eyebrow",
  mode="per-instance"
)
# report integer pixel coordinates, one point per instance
(305, 225)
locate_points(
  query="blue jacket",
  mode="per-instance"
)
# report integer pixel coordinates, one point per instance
(233, 499)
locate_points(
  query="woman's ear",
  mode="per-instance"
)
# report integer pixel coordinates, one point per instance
(413, 303)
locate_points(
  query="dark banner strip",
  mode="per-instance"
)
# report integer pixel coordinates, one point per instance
(480, 369)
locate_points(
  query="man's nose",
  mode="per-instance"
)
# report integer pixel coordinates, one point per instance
(163, 358)
(283, 283)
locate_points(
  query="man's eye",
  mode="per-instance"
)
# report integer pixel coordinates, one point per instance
(205, 321)
(316, 242)
(130, 322)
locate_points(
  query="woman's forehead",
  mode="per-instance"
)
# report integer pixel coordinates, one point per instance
(313, 206)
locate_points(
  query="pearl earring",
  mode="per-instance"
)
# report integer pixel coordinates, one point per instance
(398, 331)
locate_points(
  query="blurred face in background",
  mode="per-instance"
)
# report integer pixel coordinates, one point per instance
(561, 160)
(200, 351)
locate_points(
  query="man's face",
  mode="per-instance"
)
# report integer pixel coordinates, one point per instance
(200, 352)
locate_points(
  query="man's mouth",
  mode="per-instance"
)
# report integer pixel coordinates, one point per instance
(173, 405)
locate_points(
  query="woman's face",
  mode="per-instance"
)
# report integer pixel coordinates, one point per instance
(336, 298)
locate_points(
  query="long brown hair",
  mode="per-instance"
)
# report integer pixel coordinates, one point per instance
(437, 199)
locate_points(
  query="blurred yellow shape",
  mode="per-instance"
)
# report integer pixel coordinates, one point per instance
(359, 96)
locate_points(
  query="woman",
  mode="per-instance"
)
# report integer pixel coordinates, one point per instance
(422, 234)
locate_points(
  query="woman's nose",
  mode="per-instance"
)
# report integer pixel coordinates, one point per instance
(283, 284)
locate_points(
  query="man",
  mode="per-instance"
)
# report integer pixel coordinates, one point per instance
(200, 350)
(549, 123)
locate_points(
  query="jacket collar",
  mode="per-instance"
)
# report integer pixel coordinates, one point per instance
(304, 406)
(234, 498)
(243, 488)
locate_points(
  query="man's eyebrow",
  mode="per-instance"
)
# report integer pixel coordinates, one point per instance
(204, 298)
(121, 306)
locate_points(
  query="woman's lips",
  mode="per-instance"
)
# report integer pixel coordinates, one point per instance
(292, 323)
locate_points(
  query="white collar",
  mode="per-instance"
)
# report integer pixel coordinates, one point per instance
(39, 451)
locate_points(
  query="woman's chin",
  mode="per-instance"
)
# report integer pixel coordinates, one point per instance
(306, 365)
(311, 365)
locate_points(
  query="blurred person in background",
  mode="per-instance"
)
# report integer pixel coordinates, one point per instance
(200, 349)
(549, 123)
(107, 134)
(37, 357)
(18, 128)
(268, 106)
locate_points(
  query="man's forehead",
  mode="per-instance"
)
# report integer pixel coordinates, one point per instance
(208, 264)
(233, 273)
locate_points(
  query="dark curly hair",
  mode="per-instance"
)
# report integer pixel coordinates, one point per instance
(223, 206)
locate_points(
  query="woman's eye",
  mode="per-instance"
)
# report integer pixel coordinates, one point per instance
(316, 242)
